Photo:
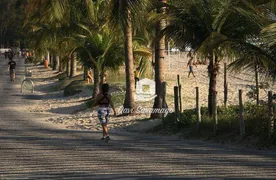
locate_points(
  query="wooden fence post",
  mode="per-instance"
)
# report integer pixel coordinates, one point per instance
(176, 103)
(270, 113)
(179, 93)
(198, 114)
(241, 111)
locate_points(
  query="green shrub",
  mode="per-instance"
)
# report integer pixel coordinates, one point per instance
(186, 119)
(255, 118)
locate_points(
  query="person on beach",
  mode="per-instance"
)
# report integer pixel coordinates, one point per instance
(89, 76)
(103, 100)
(137, 75)
(190, 63)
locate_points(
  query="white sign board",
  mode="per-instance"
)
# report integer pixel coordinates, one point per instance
(145, 90)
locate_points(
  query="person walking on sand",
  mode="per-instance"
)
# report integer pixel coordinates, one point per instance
(137, 75)
(89, 76)
(190, 64)
(103, 100)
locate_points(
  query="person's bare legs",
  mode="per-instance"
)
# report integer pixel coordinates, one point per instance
(12, 76)
(104, 126)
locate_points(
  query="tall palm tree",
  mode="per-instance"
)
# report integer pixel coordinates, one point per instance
(122, 14)
(159, 67)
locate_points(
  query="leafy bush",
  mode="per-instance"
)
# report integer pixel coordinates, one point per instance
(186, 119)
(255, 118)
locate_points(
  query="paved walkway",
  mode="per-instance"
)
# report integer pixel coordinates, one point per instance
(33, 149)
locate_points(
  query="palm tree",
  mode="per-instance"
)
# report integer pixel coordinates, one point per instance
(61, 17)
(122, 13)
(260, 53)
(46, 17)
(103, 52)
(159, 59)
(190, 25)
(73, 63)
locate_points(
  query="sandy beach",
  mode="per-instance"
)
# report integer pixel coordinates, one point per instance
(72, 111)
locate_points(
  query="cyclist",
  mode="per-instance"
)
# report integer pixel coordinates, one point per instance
(11, 68)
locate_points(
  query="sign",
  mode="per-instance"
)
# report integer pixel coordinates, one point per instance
(145, 90)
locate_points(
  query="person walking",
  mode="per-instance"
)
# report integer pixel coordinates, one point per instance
(190, 64)
(89, 76)
(103, 100)
(137, 75)
(11, 68)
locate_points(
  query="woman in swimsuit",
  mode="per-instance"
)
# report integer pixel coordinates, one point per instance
(103, 100)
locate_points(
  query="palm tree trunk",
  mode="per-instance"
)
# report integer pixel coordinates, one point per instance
(213, 69)
(213, 90)
(102, 74)
(54, 61)
(73, 69)
(129, 103)
(159, 67)
(257, 84)
(211, 77)
(48, 57)
(96, 87)
(62, 65)
(85, 72)
(225, 84)
(214, 100)
(68, 65)
(57, 63)
(51, 59)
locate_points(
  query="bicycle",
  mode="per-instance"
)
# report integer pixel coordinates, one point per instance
(27, 85)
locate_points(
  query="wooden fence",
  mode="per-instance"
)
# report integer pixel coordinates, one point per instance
(178, 109)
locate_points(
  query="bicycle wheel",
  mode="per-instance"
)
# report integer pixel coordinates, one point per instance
(27, 86)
